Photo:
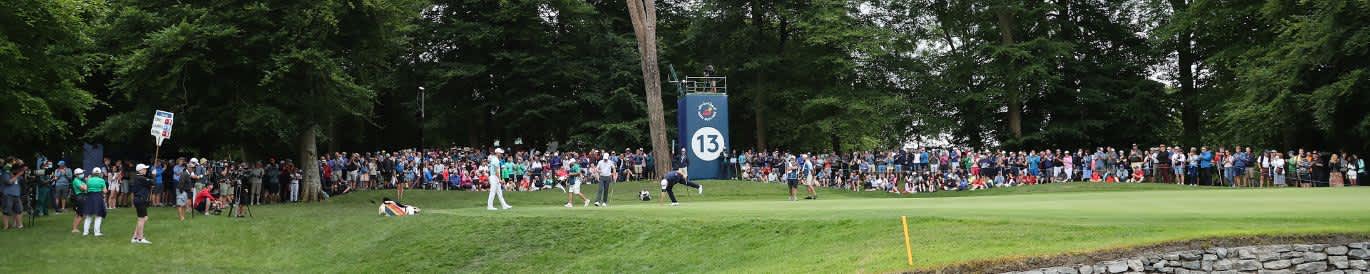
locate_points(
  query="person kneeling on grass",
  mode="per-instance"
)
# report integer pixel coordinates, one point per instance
(678, 177)
(202, 200)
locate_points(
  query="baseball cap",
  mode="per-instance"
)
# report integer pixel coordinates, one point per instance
(140, 167)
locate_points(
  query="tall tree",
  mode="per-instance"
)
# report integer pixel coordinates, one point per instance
(45, 52)
(239, 72)
(643, 13)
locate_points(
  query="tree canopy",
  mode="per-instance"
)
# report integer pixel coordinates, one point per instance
(255, 78)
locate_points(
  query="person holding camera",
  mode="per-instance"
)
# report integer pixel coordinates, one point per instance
(11, 202)
(141, 187)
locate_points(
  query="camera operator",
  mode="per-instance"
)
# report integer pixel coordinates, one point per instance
(239, 194)
(10, 178)
(141, 187)
(41, 179)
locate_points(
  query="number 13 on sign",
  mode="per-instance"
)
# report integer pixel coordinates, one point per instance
(707, 143)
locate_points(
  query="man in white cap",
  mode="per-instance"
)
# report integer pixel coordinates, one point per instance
(141, 187)
(496, 190)
(606, 171)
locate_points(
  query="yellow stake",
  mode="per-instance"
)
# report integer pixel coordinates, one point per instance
(908, 248)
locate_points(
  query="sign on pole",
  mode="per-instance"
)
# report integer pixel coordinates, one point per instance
(161, 125)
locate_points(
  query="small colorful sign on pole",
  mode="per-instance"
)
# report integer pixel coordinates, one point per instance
(161, 125)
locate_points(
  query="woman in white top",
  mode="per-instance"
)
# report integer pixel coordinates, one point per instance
(1178, 160)
(1277, 169)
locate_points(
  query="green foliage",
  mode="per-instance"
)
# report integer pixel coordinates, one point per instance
(804, 75)
(46, 49)
(1310, 80)
(238, 72)
(738, 227)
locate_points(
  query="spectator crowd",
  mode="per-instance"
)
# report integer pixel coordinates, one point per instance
(47, 186)
(956, 169)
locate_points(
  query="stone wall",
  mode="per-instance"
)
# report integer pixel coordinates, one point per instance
(1312, 258)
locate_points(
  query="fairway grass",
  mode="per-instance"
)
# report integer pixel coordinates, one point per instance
(738, 227)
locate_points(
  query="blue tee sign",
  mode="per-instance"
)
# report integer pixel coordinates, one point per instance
(703, 129)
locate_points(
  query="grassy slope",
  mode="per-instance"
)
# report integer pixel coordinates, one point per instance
(736, 227)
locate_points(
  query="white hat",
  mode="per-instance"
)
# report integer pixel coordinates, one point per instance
(194, 161)
(96, 171)
(140, 167)
(499, 150)
(79, 171)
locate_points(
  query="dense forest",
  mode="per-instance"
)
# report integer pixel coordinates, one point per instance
(257, 78)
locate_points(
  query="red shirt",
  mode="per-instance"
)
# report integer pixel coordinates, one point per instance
(202, 196)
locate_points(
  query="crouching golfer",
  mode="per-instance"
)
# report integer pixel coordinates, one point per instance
(676, 177)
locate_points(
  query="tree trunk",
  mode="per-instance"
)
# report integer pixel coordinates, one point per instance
(643, 14)
(759, 93)
(312, 184)
(1189, 109)
(1015, 104)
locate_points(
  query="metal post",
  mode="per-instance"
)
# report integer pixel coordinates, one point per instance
(423, 118)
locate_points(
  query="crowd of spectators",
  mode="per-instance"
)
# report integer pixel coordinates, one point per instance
(915, 170)
(955, 169)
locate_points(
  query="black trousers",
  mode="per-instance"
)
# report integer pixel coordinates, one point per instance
(670, 188)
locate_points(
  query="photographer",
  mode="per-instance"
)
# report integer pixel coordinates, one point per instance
(141, 187)
(11, 201)
(41, 179)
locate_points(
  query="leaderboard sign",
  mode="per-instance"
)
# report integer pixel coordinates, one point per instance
(161, 125)
(703, 125)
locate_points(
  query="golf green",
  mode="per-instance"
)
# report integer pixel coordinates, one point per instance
(734, 227)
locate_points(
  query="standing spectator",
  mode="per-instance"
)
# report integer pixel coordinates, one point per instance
(1334, 167)
(1277, 169)
(183, 189)
(254, 180)
(78, 185)
(11, 202)
(141, 187)
(61, 186)
(295, 177)
(95, 202)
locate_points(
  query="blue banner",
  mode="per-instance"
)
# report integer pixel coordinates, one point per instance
(704, 133)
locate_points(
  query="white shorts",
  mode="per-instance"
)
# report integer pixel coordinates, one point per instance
(575, 188)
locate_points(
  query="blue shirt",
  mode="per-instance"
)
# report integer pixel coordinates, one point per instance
(1206, 159)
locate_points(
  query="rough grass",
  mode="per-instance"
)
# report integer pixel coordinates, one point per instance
(734, 227)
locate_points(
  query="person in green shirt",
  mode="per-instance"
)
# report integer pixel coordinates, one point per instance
(95, 202)
(78, 186)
